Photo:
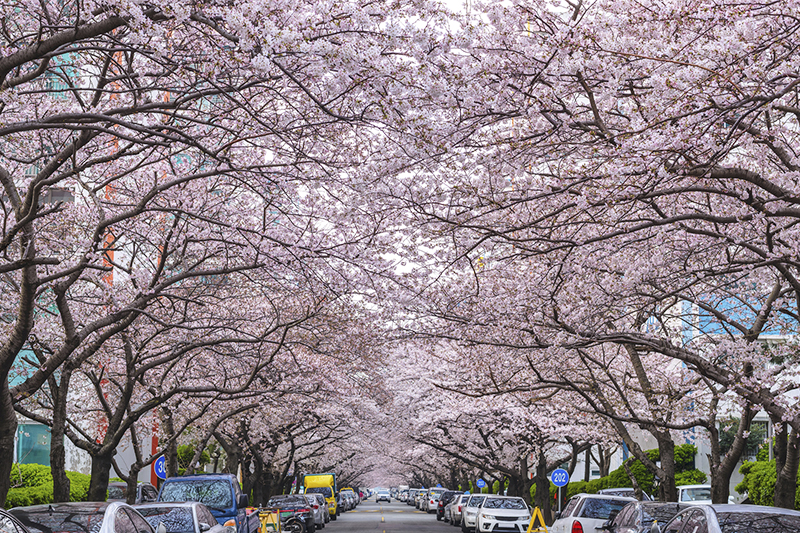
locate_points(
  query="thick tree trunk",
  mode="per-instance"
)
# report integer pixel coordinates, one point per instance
(787, 459)
(666, 451)
(542, 496)
(133, 481)
(722, 468)
(171, 450)
(8, 430)
(98, 485)
(61, 483)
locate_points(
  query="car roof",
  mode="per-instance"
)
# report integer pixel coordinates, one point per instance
(606, 497)
(743, 508)
(75, 507)
(166, 504)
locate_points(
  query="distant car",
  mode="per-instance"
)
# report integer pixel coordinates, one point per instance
(431, 499)
(83, 517)
(383, 495)
(294, 505)
(585, 513)
(503, 512)
(10, 524)
(118, 492)
(446, 497)
(186, 517)
(456, 507)
(469, 515)
(694, 494)
(628, 492)
(728, 518)
(638, 517)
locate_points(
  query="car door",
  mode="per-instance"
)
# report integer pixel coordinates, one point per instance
(696, 523)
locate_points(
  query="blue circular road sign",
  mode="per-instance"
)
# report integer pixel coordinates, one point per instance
(160, 467)
(438, 485)
(559, 477)
(481, 483)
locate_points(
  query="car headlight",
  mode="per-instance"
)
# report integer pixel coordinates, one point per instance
(487, 516)
(526, 518)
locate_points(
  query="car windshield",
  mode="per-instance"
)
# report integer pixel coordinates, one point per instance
(213, 493)
(601, 508)
(325, 491)
(698, 494)
(504, 503)
(73, 520)
(117, 493)
(758, 522)
(476, 501)
(175, 519)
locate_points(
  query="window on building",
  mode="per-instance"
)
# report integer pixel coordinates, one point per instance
(33, 444)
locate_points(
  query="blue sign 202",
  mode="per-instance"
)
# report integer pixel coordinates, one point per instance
(559, 477)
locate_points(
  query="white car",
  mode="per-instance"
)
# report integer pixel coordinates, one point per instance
(383, 495)
(469, 512)
(695, 494)
(456, 508)
(586, 513)
(503, 513)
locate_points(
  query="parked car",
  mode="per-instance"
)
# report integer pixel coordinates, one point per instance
(728, 518)
(118, 492)
(455, 508)
(187, 517)
(412, 496)
(503, 512)
(294, 505)
(584, 513)
(469, 513)
(694, 494)
(428, 504)
(383, 495)
(83, 517)
(419, 497)
(446, 497)
(628, 492)
(323, 505)
(10, 523)
(638, 517)
(221, 493)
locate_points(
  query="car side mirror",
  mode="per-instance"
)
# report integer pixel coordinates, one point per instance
(161, 528)
(606, 526)
(558, 515)
(204, 526)
(244, 500)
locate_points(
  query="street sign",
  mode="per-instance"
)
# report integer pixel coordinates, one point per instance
(439, 485)
(160, 467)
(559, 477)
(481, 483)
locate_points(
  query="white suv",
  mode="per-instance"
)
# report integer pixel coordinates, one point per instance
(503, 512)
(586, 513)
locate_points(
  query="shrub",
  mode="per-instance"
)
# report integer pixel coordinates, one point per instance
(690, 477)
(33, 485)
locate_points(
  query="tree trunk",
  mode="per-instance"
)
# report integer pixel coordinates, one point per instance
(133, 481)
(666, 451)
(542, 496)
(787, 460)
(98, 485)
(61, 483)
(722, 468)
(8, 430)
(171, 450)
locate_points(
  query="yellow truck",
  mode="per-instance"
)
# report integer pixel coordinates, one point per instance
(324, 484)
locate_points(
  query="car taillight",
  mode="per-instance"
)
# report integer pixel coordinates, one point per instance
(316, 506)
(309, 510)
(459, 508)
(577, 527)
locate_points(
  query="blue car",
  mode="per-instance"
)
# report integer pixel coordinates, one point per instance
(221, 493)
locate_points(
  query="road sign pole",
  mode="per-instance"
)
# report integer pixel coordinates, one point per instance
(559, 500)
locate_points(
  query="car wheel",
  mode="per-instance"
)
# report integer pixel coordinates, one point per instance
(464, 528)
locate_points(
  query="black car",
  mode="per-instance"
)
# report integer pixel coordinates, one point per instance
(446, 497)
(294, 505)
(638, 517)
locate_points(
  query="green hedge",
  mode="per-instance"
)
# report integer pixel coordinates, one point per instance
(32, 484)
(685, 474)
(759, 483)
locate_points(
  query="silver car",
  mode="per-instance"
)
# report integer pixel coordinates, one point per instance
(317, 510)
(323, 504)
(454, 513)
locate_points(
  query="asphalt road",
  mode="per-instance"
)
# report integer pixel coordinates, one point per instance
(395, 517)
